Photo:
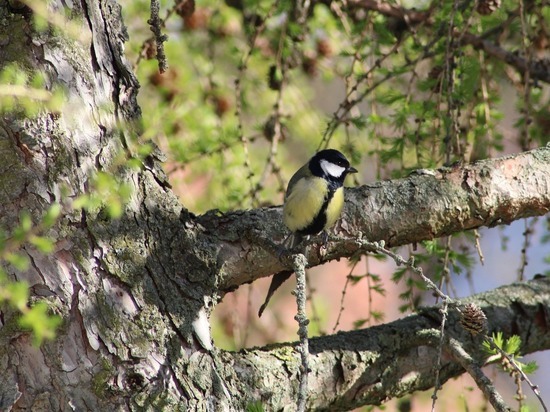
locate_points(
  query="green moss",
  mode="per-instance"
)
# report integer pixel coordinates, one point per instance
(157, 402)
(100, 382)
(9, 329)
(286, 353)
(14, 29)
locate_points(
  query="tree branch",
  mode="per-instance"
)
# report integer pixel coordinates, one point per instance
(426, 205)
(369, 366)
(481, 380)
(408, 16)
(538, 69)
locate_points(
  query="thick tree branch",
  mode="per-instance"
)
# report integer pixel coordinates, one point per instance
(423, 206)
(369, 366)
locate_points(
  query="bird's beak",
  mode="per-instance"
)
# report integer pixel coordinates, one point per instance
(351, 170)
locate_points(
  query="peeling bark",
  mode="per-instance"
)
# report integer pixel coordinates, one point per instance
(127, 304)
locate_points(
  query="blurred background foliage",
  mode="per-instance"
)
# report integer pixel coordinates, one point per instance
(253, 88)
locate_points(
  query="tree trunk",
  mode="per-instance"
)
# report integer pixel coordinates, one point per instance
(125, 304)
(135, 292)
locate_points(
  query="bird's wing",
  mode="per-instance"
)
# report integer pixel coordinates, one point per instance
(303, 171)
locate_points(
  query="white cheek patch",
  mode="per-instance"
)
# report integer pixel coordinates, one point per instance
(332, 169)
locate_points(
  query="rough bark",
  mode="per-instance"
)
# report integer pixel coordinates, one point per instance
(370, 366)
(426, 205)
(123, 318)
(130, 289)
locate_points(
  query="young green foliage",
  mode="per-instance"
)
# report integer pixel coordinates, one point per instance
(34, 317)
(511, 346)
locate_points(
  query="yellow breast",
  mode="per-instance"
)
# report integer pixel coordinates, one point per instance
(305, 202)
(334, 209)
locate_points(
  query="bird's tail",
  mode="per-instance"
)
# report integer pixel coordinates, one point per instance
(277, 280)
(290, 243)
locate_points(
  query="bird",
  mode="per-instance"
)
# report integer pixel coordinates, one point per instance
(314, 200)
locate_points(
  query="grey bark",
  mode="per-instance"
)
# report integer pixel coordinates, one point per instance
(130, 289)
(426, 205)
(370, 366)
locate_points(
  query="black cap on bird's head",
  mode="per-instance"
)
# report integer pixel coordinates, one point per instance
(330, 164)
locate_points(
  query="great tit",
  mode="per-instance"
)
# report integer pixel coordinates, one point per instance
(313, 202)
(315, 197)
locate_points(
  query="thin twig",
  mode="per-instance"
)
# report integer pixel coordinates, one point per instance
(271, 164)
(518, 370)
(525, 138)
(315, 318)
(529, 228)
(343, 296)
(444, 313)
(537, 68)
(482, 381)
(478, 247)
(399, 260)
(156, 27)
(299, 266)
(345, 107)
(446, 272)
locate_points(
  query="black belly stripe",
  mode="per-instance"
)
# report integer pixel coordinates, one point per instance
(320, 220)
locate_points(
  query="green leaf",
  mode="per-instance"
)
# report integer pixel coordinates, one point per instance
(19, 261)
(51, 215)
(498, 340)
(512, 345)
(398, 274)
(25, 221)
(379, 257)
(379, 289)
(42, 324)
(430, 245)
(255, 406)
(83, 202)
(530, 367)
(25, 225)
(43, 244)
(360, 122)
(384, 35)
(378, 316)
(17, 294)
(355, 279)
(374, 277)
(359, 323)
(391, 96)
(114, 209)
(404, 308)
(469, 83)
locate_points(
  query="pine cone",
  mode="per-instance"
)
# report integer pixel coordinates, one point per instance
(473, 319)
(486, 7)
